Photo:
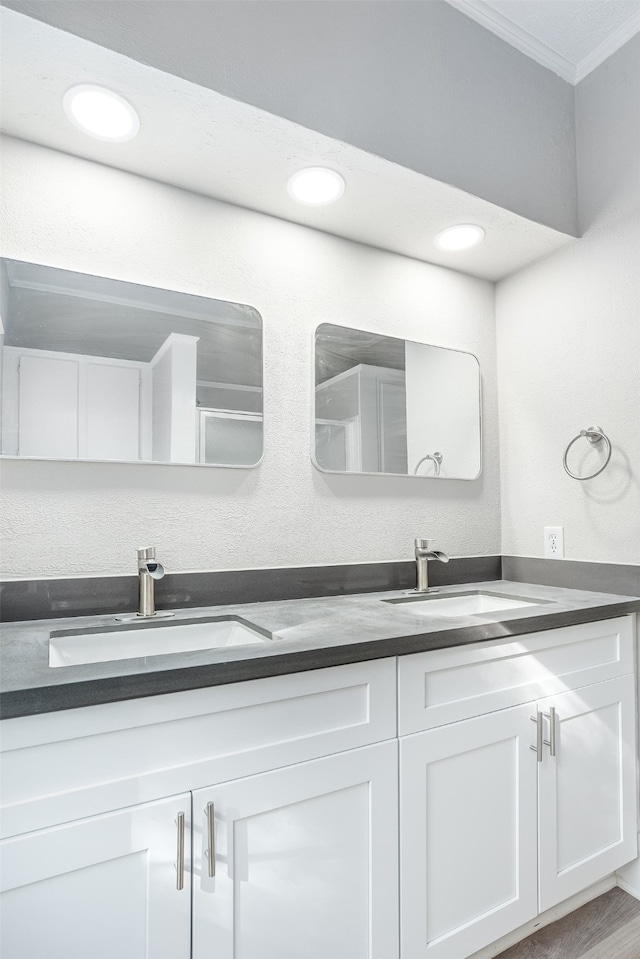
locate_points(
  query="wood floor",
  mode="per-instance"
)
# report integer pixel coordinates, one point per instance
(606, 928)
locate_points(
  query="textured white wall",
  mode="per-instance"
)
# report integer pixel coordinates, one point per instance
(569, 344)
(73, 518)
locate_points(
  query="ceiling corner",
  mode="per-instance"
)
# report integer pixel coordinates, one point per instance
(517, 37)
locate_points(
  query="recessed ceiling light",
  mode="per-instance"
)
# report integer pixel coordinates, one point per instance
(460, 237)
(316, 186)
(101, 113)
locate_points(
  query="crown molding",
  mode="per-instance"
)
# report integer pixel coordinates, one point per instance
(573, 73)
(609, 46)
(504, 28)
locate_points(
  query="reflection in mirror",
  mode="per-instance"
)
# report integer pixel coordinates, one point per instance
(99, 369)
(385, 405)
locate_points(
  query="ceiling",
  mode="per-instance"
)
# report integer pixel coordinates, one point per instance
(570, 37)
(339, 348)
(197, 139)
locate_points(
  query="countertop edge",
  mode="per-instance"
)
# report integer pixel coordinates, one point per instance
(28, 701)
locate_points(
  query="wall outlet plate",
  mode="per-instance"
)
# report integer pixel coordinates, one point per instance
(554, 542)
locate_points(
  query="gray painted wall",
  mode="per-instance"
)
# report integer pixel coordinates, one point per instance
(608, 138)
(416, 83)
(568, 332)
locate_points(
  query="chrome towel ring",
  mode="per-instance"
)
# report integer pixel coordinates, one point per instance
(436, 458)
(594, 435)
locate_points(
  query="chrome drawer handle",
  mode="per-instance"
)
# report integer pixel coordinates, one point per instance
(538, 746)
(552, 741)
(211, 838)
(180, 852)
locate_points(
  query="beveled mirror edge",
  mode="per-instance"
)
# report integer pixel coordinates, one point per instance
(6, 457)
(50, 459)
(411, 476)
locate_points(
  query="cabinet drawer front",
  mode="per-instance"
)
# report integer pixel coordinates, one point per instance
(448, 685)
(63, 766)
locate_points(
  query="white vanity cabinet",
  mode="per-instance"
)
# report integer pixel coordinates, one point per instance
(289, 789)
(489, 835)
(302, 774)
(103, 887)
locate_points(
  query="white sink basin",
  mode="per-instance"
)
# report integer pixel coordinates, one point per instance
(468, 604)
(101, 646)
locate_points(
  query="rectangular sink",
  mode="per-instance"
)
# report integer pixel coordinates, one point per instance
(463, 604)
(100, 645)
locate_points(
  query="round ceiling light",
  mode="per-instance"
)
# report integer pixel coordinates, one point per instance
(101, 113)
(461, 237)
(316, 185)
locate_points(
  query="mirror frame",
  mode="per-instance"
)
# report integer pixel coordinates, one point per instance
(103, 276)
(411, 476)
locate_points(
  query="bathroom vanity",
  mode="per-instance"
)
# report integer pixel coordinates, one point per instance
(484, 764)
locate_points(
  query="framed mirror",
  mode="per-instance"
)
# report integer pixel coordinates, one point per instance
(100, 369)
(392, 406)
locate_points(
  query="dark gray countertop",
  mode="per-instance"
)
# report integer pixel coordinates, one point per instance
(307, 634)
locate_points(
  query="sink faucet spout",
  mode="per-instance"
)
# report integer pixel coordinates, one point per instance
(149, 570)
(424, 552)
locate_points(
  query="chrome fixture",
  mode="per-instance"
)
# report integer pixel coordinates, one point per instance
(180, 852)
(436, 459)
(148, 571)
(595, 435)
(552, 742)
(539, 735)
(210, 851)
(425, 552)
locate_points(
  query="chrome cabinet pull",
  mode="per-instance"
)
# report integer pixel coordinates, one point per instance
(539, 733)
(180, 852)
(552, 741)
(211, 838)
(553, 723)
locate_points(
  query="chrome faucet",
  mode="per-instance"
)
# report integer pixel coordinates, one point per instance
(425, 552)
(149, 570)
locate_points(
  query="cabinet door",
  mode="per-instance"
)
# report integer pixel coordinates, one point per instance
(103, 888)
(112, 412)
(587, 792)
(48, 407)
(305, 862)
(468, 834)
(392, 427)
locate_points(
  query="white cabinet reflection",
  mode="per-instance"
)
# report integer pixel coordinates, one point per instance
(386, 405)
(100, 369)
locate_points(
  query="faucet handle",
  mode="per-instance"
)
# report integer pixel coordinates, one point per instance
(423, 543)
(147, 562)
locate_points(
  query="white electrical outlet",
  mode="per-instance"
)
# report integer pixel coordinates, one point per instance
(554, 542)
